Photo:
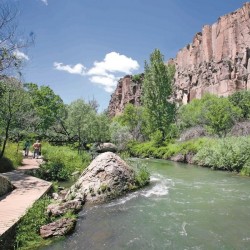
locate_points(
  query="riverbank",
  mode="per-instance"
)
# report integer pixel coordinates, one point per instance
(229, 153)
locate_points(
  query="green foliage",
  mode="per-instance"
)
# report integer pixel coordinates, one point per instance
(246, 169)
(13, 153)
(216, 114)
(142, 176)
(241, 99)
(85, 125)
(12, 158)
(157, 89)
(27, 233)
(13, 107)
(137, 78)
(61, 162)
(136, 120)
(230, 153)
(47, 105)
(149, 149)
(220, 115)
(120, 135)
(157, 138)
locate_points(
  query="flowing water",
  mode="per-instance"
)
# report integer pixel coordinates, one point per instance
(184, 207)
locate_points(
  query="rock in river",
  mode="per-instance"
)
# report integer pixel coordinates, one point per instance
(107, 177)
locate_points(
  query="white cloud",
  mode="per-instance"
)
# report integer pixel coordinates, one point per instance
(45, 2)
(114, 62)
(76, 69)
(107, 82)
(106, 72)
(20, 55)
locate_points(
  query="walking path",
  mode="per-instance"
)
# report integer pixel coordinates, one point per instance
(28, 190)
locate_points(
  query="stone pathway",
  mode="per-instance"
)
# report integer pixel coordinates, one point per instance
(28, 190)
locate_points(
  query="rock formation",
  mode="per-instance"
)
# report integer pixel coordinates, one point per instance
(5, 185)
(217, 62)
(128, 90)
(218, 59)
(107, 177)
(60, 227)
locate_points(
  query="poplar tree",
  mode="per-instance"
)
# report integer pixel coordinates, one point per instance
(157, 90)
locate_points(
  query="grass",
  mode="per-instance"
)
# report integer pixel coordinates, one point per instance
(61, 162)
(12, 158)
(230, 153)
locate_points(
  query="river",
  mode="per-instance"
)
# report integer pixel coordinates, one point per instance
(184, 207)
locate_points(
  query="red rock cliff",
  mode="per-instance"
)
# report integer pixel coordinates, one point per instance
(218, 59)
(127, 91)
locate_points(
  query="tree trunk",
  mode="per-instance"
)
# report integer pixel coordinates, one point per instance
(5, 139)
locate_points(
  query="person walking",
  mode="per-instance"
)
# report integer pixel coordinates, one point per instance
(26, 148)
(37, 149)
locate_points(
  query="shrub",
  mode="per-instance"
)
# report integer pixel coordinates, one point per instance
(226, 154)
(12, 158)
(246, 169)
(241, 99)
(61, 162)
(120, 135)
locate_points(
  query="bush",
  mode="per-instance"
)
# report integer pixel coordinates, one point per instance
(216, 114)
(142, 176)
(226, 154)
(61, 162)
(12, 158)
(241, 99)
(246, 169)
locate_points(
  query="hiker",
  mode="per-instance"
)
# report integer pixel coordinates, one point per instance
(26, 148)
(37, 149)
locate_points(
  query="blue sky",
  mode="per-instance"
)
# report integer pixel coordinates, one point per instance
(83, 46)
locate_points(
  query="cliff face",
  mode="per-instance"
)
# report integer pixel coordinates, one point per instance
(128, 90)
(217, 62)
(218, 59)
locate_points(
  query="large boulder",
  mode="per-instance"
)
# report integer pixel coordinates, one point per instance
(107, 177)
(5, 185)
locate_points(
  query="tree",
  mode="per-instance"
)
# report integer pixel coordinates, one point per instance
(135, 118)
(157, 89)
(14, 103)
(220, 115)
(10, 41)
(80, 117)
(49, 107)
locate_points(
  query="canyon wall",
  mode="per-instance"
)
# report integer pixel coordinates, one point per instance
(217, 62)
(128, 90)
(218, 59)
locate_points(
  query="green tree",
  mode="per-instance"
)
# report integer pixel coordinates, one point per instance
(80, 117)
(157, 89)
(49, 107)
(241, 99)
(14, 104)
(220, 115)
(135, 118)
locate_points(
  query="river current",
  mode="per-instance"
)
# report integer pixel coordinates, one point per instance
(184, 207)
